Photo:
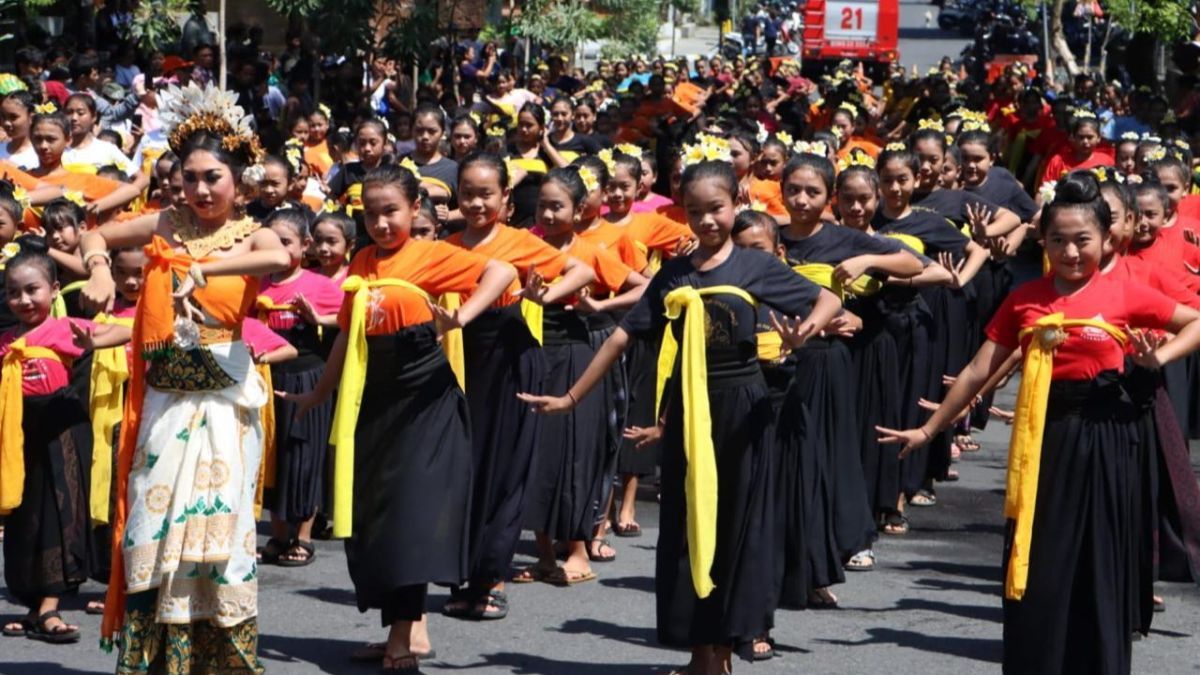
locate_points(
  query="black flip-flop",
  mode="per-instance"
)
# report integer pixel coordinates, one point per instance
(268, 553)
(631, 529)
(596, 557)
(26, 626)
(374, 651)
(310, 554)
(39, 632)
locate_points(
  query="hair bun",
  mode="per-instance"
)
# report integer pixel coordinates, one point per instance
(1078, 187)
(32, 243)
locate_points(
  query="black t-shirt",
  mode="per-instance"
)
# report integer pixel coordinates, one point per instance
(834, 244)
(952, 204)
(580, 144)
(1001, 187)
(933, 229)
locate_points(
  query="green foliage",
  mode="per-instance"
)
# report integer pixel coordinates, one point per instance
(627, 26)
(154, 26)
(559, 24)
(410, 38)
(296, 8)
(1168, 19)
(632, 25)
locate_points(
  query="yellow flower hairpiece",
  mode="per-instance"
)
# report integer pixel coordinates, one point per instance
(1182, 144)
(589, 179)
(976, 125)
(692, 154)
(1156, 154)
(784, 137)
(629, 149)
(856, 158)
(21, 196)
(936, 125)
(818, 148)
(1133, 179)
(330, 206)
(758, 206)
(850, 108)
(9, 251)
(1169, 118)
(837, 132)
(324, 109)
(496, 132)
(895, 146)
(476, 118)
(1047, 191)
(47, 108)
(1008, 109)
(410, 166)
(74, 196)
(1101, 173)
(1083, 114)
(606, 156)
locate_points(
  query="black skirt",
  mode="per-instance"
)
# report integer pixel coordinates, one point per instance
(412, 470)
(1076, 615)
(615, 388)
(911, 325)
(301, 445)
(642, 371)
(744, 567)
(49, 548)
(502, 360)
(952, 341)
(573, 453)
(821, 478)
(877, 392)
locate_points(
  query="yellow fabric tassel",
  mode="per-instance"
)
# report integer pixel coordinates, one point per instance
(349, 400)
(266, 468)
(12, 412)
(58, 306)
(452, 341)
(110, 372)
(700, 484)
(533, 313)
(266, 304)
(1025, 447)
(770, 346)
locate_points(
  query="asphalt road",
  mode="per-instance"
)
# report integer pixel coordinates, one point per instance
(931, 607)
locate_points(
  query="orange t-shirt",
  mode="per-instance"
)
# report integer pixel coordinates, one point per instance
(318, 158)
(521, 249)
(859, 143)
(614, 238)
(611, 273)
(657, 232)
(769, 193)
(434, 266)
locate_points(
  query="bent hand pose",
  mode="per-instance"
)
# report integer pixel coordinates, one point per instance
(1069, 585)
(718, 433)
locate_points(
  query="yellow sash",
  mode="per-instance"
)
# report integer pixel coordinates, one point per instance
(110, 372)
(1025, 448)
(770, 346)
(12, 412)
(908, 240)
(533, 314)
(700, 485)
(266, 468)
(452, 341)
(350, 392)
(266, 304)
(58, 306)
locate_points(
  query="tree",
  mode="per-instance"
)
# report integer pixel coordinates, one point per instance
(1168, 20)
(154, 26)
(627, 26)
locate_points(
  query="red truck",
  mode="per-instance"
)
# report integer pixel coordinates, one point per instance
(850, 29)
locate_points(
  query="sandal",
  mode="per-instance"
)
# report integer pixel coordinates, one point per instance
(24, 625)
(1160, 605)
(531, 574)
(863, 561)
(483, 609)
(630, 529)
(600, 557)
(923, 498)
(821, 598)
(895, 524)
(59, 635)
(404, 663)
(268, 554)
(565, 577)
(375, 651)
(306, 547)
(746, 649)
(94, 607)
(951, 477)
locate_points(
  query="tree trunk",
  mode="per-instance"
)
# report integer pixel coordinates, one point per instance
(1104, 49)
(1059, 39)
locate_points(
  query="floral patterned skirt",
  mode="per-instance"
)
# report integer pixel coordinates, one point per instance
(189, 545)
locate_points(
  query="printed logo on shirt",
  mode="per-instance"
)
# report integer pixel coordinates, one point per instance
(1094, 334)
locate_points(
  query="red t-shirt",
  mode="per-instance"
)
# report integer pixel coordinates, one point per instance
(1088, 351)
(1171, 252)
(41, 377)
(1164, 281)
(1189, 207)
(1064, 163)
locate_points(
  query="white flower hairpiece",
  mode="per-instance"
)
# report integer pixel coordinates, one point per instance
(762, 134)
(811, 148)
(9, 251)
(253, 175)
(1047, 191)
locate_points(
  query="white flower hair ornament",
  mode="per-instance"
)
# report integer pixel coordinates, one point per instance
(1047, 191)
(253, 175)
(762, 134)
(818, 148)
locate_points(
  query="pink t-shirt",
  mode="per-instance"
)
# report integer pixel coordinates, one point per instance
(320, 291)
(46, 376)
(259, 339)
(651, 202)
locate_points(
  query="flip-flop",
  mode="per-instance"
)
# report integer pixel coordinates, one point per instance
(26, 624)
(94, 608)
(532, 574)
(268, 553)
(630, 529)
(374, 651)
(898, 524)
(598, 558)
(564, 578)
(405, 663)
